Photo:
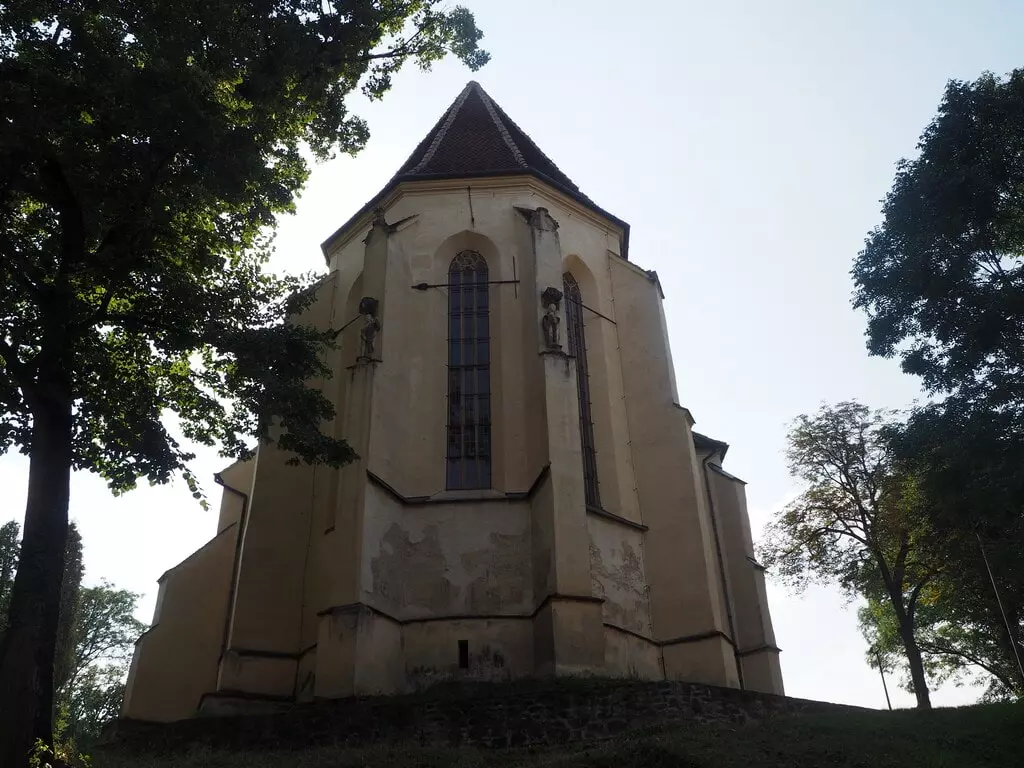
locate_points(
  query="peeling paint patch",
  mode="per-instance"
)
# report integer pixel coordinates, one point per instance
(413, 573)
(499, 575)
(617, 575)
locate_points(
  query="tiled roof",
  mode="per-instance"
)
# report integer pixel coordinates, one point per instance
(475, 138)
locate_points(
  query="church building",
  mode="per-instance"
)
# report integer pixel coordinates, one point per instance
(529, 498)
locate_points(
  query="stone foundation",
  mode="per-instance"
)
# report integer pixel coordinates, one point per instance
(481, 715)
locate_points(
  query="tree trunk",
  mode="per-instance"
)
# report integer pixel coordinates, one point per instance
(27, 650)
(913, 653)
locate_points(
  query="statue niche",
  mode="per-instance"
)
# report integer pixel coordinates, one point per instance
(368, 307)
(551, 299)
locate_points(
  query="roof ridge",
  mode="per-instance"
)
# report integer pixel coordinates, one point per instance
(453, 111)
(493, 110)
(536, 146)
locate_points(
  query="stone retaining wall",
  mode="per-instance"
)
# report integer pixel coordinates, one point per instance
(496, 716)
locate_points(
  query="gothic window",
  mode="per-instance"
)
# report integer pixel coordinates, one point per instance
(578, 349)
(469, 374)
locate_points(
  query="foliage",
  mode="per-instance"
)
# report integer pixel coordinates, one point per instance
(856, 521)
(145, 153)
(942, 282)
(104, 638)
(968, 462)
(942, 279)
(70, 589)
(10, 536)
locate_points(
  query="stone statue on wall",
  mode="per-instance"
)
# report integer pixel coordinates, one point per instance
(371, 325)
(551, 298)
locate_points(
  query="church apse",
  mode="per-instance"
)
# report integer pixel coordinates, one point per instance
(528, 499)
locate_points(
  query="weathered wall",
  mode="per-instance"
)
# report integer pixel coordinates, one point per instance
(447, 559)
(617, 574)
(364, 579)
(498, 649)
(626, 655)
(680, 559)
(175, 661)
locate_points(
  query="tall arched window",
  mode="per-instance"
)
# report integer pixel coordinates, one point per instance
(578, 349)
(469, 374)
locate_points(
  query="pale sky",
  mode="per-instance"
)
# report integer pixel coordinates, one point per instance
(748, 145)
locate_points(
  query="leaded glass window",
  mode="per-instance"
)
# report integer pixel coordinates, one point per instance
(469, 374)
(578, 349)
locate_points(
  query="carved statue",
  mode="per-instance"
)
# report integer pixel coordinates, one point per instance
(371, 325)
(551, 298)
(550, 325)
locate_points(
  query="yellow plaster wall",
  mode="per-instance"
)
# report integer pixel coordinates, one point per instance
(499, 649)
(617, 574)
(627, 655)
(442, 560)
(175, 661)
(755, 637)
(238, 476)
(344, 589)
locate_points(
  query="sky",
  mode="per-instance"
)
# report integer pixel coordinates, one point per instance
(748, 144)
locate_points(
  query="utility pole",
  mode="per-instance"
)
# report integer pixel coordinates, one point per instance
(999, 602)
(881, 671)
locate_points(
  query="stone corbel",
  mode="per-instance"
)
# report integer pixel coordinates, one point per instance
(380, 224)
(538, 218)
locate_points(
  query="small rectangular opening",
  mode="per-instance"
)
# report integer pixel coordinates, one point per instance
(463, 654)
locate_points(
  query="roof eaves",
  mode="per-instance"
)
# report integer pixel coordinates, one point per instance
(723, 473)
(580, 198)
(709, 443)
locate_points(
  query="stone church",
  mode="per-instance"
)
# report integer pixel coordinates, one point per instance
(530, 498)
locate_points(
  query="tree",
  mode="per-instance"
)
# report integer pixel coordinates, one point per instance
(957, 627)
(145, 151)
(942, 279)
(942, 283)
(967, 458)
(104, 636)
(70, 589)
(854, 523)
(10, 535)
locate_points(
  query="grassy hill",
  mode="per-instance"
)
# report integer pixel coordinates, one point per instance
(965, 737)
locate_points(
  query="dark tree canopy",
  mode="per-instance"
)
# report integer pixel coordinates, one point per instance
(145, 152)
(942, 282)
(10, 535)
(942, 279)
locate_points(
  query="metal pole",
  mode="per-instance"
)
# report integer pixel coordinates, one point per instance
(881, 671)
(999, 601)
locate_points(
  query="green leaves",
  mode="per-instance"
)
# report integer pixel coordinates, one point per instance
(857, 523)
(942, 279)
(105, 631)
(145, 153)
(942, 282)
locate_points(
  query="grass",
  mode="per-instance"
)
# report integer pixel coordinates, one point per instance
(965, 737)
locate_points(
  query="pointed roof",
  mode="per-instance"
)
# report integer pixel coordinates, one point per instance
(475, 138)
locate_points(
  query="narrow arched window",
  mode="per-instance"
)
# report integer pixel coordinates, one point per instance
(469, 374)
(578, 349)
